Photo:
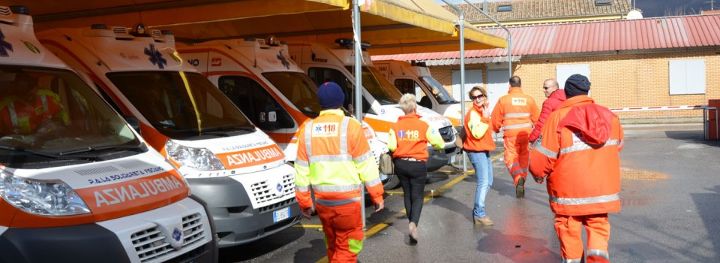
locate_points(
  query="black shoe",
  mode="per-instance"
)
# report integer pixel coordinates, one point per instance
(413, 241)
(520, 188)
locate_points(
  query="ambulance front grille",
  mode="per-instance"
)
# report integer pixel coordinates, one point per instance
(264, 193)
(150, 244)
(447, 134)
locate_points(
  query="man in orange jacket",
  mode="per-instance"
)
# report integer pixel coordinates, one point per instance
(515, 113)
(335, 161)
(579, 154)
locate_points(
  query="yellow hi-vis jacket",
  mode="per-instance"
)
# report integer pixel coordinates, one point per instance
(334, 159)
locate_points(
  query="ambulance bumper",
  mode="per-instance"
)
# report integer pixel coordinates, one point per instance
(105, 241)
(438, 159)
(236, 221)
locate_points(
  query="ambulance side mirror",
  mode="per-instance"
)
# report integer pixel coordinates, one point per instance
(134, 123)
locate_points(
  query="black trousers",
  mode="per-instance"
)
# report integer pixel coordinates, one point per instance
(412, 175)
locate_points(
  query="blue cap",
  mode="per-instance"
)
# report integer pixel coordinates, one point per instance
(576, 85)
(331, 95)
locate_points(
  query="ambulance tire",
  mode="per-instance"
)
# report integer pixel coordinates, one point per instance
(392, 182)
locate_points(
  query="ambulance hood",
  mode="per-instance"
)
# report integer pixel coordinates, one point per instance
(241, 154)
(110, 189)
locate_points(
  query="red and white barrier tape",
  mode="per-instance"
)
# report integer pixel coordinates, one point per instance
(661, 108)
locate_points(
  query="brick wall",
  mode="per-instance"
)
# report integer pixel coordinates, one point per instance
(621, 81)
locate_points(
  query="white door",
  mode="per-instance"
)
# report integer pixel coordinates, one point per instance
(473, 77)
(498, 85)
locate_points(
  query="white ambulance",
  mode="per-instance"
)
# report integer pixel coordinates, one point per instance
(380, 97)
(77, 184)
(261, 79)
(234, 167)
(416, 79)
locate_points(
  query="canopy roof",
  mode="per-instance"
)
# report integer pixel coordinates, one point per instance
(391, 26)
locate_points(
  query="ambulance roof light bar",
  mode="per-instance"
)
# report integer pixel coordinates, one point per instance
(348, 43)
(20, 9)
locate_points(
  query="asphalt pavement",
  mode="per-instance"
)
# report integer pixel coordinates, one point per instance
(671, 213)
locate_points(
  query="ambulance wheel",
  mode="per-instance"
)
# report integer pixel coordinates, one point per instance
(392, 182)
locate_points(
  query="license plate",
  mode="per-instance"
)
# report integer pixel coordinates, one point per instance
(281, 214)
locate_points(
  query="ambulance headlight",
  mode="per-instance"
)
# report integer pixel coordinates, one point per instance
(196, 158)
(47, 198)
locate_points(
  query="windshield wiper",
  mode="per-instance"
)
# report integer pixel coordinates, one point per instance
(135, 147)
(23, 150)
(228, 130)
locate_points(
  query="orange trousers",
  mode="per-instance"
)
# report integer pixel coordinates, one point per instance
(342, 226)
(569, 229)
(517, 156)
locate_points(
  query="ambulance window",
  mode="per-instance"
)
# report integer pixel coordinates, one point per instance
(297, 88)
(255, 102)
(49, 116)
(409, 86)
(181, 105)
(320, 75)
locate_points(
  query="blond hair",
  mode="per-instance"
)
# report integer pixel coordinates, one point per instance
(407, 103)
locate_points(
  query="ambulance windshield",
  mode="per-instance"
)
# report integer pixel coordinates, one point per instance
(379, 87)
(181, 105)
(438, 91)
(298, 88)
(50, 115)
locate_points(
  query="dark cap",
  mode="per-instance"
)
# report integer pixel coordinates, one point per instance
(330, 95)
(576, 85)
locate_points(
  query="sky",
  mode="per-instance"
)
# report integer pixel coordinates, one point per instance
(651, 8)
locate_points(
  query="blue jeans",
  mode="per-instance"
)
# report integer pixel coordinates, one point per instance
(484, 174)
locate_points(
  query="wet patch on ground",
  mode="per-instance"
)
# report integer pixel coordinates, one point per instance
(641, 174)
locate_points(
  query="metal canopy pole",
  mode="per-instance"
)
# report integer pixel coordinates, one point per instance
(461, 25)
(509, 38)
(358, 85)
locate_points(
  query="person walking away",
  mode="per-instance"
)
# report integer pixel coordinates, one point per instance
(579, 154)
(555, 96)
(515, 113)
(334, 161)
(408, 141)
(478, 144)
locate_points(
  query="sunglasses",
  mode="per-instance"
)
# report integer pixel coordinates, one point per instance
(476, 97)
(546, 88)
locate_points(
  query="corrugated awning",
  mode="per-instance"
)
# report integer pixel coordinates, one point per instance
(391, 26)
(656, 33)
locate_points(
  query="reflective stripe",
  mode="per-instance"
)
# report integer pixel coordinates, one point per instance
(363, 157)
(513, 165)
(517, 115)
(324, 202)
(331, 158)
(517, 126)
(302, 188)
(598, 252)
(308, 138)
(548, 153)
(301, 163)
(584, 200)
(43, 98)
(577, 260)
(343, 135)
(579, 145)
(373, 182)
(336, 188)
(13, 114)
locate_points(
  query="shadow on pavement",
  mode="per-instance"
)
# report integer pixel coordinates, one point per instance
(708, 206)
(691, 136)
(311, 254)
(517, 248)
(263, 246)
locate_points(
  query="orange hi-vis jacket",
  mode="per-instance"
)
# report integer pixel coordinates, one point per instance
(515, 113)
(24, 117)
(477, 128)
(579, 153)
(409, 137)
(334, 158)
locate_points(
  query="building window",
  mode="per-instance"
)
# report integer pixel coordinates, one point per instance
(603, 2)
(565, 71)
(504, 8)
(687, 77)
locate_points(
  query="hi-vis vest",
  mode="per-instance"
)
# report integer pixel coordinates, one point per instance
(409, 137)
(515, 113)
(582, 179)
(334, 159)
(24, 117)
(478, 136)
